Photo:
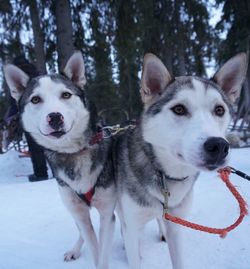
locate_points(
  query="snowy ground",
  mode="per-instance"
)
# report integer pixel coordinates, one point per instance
(36, 229)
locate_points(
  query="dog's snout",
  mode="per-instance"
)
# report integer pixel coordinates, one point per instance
(55, 120)
(216, 149)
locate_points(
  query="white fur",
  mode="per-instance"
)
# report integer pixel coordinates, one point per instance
(86, 180)
(75, 115)
(75, 123)
(104, 201)
(182, 138)
(178, 143)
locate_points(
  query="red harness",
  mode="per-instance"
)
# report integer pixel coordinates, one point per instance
(87, 197)
(97, 138)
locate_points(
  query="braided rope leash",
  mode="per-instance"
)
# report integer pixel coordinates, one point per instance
(224, 175)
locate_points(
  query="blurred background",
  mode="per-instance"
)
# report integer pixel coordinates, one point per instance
(190, 36)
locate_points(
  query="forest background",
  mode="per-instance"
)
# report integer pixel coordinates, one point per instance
(114, 36)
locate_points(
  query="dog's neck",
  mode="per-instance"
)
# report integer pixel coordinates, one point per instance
(76, 146)
(171, 166)
(162, 160)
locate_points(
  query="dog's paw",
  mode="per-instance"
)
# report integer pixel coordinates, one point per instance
(71, 255)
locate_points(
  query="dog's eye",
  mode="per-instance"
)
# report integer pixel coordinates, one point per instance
(219, 111)
(66, 95)
(180, 110)
(35, 100)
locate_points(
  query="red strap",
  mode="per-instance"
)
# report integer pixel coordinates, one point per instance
(224, 175)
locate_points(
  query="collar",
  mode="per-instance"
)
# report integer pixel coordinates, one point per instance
(163, 177)
(160, 174)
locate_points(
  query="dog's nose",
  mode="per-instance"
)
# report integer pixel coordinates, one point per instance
(55, 120)
(216, 149)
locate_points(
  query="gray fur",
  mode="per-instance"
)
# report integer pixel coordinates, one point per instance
(67, 163)
(136, 167)
(177, 85)
(143, 180)
(136, 164)
(99, 155)
(89, 169)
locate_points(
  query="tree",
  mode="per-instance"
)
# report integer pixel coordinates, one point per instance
(127, 55)
(236, 21)
(179, 33)
(102, 88)
(38, 36)
(64, 32)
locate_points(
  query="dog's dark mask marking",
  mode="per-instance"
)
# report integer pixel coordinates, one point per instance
(177, 85)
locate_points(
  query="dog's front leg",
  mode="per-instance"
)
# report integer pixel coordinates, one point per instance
(162, 229)
(75, 252)
(131, 239)
(80, 212)
(107, 225)
(174, 232)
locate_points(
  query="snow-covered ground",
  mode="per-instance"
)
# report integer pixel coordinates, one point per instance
(36, 229)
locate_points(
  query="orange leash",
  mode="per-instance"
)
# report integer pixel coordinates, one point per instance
(224, 175)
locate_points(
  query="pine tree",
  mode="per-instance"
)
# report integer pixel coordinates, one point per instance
(38, 34)
(64, 32)
(127, 55)
(179, 33)
(236, 21)
(102, 89)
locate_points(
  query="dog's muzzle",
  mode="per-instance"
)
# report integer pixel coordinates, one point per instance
(216, 149)
(55, 120)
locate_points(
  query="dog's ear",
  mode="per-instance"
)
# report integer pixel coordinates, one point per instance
(75, 69)
(155, 78)
(16, 80)
(231, 76)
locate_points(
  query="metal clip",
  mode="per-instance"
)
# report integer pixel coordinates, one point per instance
(165, 194)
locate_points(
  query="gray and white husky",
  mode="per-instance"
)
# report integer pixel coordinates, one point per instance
(181, 132)
(56, 113)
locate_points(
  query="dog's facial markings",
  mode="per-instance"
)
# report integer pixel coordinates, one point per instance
(195, 111)
(61, 115)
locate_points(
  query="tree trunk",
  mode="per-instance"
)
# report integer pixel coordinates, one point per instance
(65, 47)
(180, 53)
(38, 37)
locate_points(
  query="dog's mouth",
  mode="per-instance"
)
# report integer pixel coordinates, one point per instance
(212, 167)
(57, 134)
(202, 164)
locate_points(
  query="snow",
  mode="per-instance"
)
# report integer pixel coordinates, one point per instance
(36, 229)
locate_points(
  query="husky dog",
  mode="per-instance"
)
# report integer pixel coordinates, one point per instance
(54, 110)
(181, 132)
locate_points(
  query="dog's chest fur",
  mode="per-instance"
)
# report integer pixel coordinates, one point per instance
(78, 171)
(139, 179)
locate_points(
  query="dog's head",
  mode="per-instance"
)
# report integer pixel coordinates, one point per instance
(187, 117)
(53, 108)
